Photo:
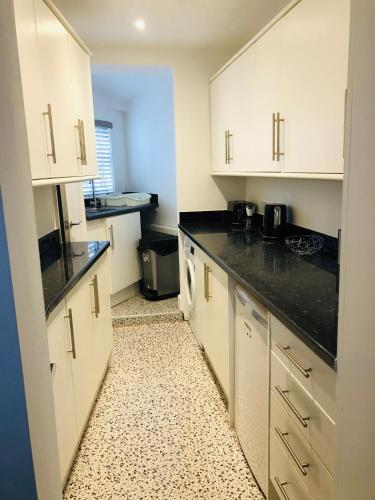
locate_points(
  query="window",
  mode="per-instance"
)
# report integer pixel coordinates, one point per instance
(103, 136)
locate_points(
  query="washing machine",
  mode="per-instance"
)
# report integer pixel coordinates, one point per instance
(189, 282)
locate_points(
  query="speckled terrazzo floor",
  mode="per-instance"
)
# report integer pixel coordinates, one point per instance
(140, 306)
(159, 429)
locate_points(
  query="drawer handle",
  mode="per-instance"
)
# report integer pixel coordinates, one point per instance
(281, 487)
(301, 419)
(305, 371)
(297, 461)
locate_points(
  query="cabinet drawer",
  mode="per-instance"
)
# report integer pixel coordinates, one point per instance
(319, 430)
(316, 377)
(282, 474)
(305, 462)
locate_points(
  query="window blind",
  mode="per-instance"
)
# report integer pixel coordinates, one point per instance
(104, 185)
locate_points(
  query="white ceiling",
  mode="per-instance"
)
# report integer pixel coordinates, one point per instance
(171, 23)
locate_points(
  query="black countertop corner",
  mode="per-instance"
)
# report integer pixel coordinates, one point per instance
(102, 212)
(63, 265)
(299, 291)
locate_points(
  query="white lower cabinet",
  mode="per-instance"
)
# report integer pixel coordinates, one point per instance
(80, 344)
(212, 318)
(302, 403)
(62, 385)
(124, 233)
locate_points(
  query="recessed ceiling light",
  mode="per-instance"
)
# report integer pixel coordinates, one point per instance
(140, 24)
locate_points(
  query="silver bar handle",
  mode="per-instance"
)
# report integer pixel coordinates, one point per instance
(71, 329)
(94, 283)
(281, 487)
(226, 147)
(273, 136)
(48, 113)
(112, 237)
(302, 420)
(278, 121)
(230, 157)
(305, 371)
(297, 461)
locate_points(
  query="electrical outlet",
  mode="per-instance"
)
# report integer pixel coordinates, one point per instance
(261, 207)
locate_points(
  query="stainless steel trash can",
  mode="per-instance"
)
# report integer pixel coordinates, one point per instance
(159, 257)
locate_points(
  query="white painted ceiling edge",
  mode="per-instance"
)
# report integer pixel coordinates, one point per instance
(170, 23)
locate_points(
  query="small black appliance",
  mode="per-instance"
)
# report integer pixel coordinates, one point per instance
(274, 221)
(238, 209)
(250, 213)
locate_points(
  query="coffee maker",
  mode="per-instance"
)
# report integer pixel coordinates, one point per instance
(274, 221)
(238, 209)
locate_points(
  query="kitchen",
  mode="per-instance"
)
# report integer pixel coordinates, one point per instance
(289, 139)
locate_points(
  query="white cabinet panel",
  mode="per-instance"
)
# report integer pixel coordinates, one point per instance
(62, 386)
(216, 335)
(28, 52)
(124, 233)
(83, 110)
(81, 332)
(102, 319)
(74, 211)
(314, 69)
(268, 90)
(221, 97)
(202, 308)
(284, 478)
(56, 92)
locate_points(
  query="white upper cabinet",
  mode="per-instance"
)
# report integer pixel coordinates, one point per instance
(56, 82)
(267, 108)
(314, 69)
(221, 95)
(56, 92)
(283, 99)
(83, 110)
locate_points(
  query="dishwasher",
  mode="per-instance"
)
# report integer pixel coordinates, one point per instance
(251, 375)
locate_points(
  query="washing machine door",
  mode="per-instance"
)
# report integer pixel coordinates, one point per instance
(189, 283)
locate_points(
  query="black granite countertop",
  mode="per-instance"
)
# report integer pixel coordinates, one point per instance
(63, 265)
(100, 213)
(300, 292)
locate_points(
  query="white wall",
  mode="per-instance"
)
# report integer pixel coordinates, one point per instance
(46, 212)
(192, 68)
(150, 139)
(314, 204)
(113, 110)
(356, 339)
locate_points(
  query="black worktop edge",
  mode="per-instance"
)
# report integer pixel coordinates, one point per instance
(120, 211)
(75, 279)
(323, 354)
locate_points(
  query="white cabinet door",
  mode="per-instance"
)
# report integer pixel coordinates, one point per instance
(74, 211)
(102, 319)
(62, 386)
(56, 92)
(267, 100)
(222, 91)
(202, 308)
(124, 233)
(81, 343)
(243, 128)
(83, 109)
(314, 67)
(31, 87)
(217, 333)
